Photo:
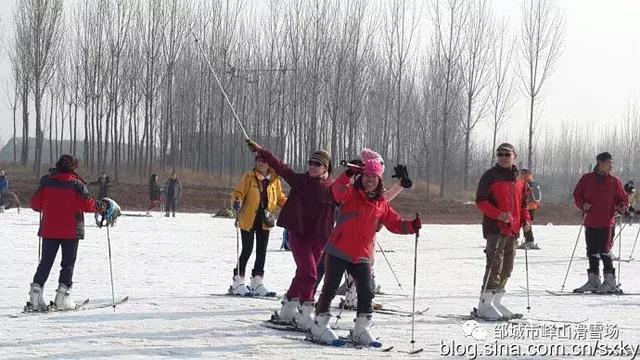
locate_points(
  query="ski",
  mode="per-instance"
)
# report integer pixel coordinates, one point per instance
(524, 320)
(50, 309)
(257, 297)
(387, 311)
(106, 305)
(343, 342)
(277, 324)
(566, 293)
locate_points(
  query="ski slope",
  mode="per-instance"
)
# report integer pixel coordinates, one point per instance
(170, 266)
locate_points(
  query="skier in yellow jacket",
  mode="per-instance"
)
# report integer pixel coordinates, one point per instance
(256, 198)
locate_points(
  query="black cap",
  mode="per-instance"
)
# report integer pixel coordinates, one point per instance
(506, 146)
(604, 156)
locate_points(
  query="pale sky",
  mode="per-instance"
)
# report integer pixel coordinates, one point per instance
(597, 74)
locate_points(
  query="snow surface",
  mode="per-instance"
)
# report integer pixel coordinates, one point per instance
(170, 266)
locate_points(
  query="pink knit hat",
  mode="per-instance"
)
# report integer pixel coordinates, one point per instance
(373, 167)
(368, 154)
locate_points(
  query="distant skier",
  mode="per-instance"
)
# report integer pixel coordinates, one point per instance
(309, 216)
(256, 198)
(104, 184)
(350, 248)
(4, 182)
(534, 196)
(501, 196)
(599, 194)
(61, 199)
(172, 193)
(155, 193)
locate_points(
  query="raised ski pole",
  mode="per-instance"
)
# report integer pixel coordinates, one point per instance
(113, 294)
(584, 215)
(633, 249)
(413, 306)
(620, 255)
(224, 93)
(389, 263)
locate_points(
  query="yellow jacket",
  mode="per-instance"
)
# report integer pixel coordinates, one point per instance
(248, 192)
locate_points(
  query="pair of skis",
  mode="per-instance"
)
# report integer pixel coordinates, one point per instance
(84, 305)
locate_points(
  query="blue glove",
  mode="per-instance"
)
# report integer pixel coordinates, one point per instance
(236, 205)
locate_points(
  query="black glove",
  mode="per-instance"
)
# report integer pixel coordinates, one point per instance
(416, 224)
(400, 172)
(102, 206)
(632, 210)
(351, 169)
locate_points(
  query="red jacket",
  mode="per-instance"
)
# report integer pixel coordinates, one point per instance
(62, 199)
(605, 193)
(310, 210)
(352, 238)
(501, 190)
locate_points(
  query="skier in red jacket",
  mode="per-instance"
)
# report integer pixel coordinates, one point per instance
(61, 198)
(350, 246)
(600, 194)
(501, 196)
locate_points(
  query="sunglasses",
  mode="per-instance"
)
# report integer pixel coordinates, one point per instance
(314, 163)
(501, 154)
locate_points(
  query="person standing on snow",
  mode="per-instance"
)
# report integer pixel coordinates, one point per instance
(4, 182)
(501, 196)
(173, 192)
(309, 216)
(61, 198)
(599, 194)
(155, 193)
(256, 198)
(534, 196)
(351, 246)
(104, 183)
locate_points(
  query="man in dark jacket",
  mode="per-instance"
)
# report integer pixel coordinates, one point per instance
(61, 198)
(173, 191)
(600, 195)
(104, 183)
(501, 196)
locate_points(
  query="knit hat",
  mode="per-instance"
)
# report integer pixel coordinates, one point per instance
(604, 156)
(368, 154)
(506, 146)
(373, 167)
(321, 156)
(66, 164)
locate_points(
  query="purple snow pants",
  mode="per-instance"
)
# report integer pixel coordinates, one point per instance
(307, 254)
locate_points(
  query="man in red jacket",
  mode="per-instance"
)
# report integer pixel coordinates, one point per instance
(600, 194)
(501, 196)
(61, 198)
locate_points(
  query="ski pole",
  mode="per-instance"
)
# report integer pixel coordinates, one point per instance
(40, 241)
(584, 215)
(415, 276)
(620, 256)
(237, 244)
(113, 294)
(486, 281)
(633, 249)
(344, 303)
(526, 269)
(389, 263)
(224, 93)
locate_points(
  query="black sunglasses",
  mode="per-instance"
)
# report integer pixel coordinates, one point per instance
(314, 163)
(502, 154)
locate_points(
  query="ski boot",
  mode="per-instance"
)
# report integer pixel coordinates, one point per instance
(258, 288)
(360, 333)
(288, 311)
(239, 287)
(302, 319)
(322, 332)
(593, 283)
(609, 285)
(36, 299)
(486, 307)
(63, 299)
(506, 313)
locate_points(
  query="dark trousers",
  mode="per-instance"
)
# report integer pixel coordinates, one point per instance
(49, 252)
(334, 269)
(170, 206)
(262, 240)
(599, 243)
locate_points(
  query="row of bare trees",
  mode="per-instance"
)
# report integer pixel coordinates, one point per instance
(123, 85)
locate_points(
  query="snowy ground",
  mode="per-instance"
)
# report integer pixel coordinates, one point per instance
(169, 267)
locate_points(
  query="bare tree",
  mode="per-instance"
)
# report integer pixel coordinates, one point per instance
(541, 44)
(501, 96)
(42, 21)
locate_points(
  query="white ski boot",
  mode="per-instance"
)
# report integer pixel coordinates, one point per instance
(593, 283)
(609, 285)
(36, 299)
(322, 332)
(258, 288)
(497, 302)
(360, 333)
(239, 287)
(63, 299)
(289, 310)
(486, 307)
(303, 319)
